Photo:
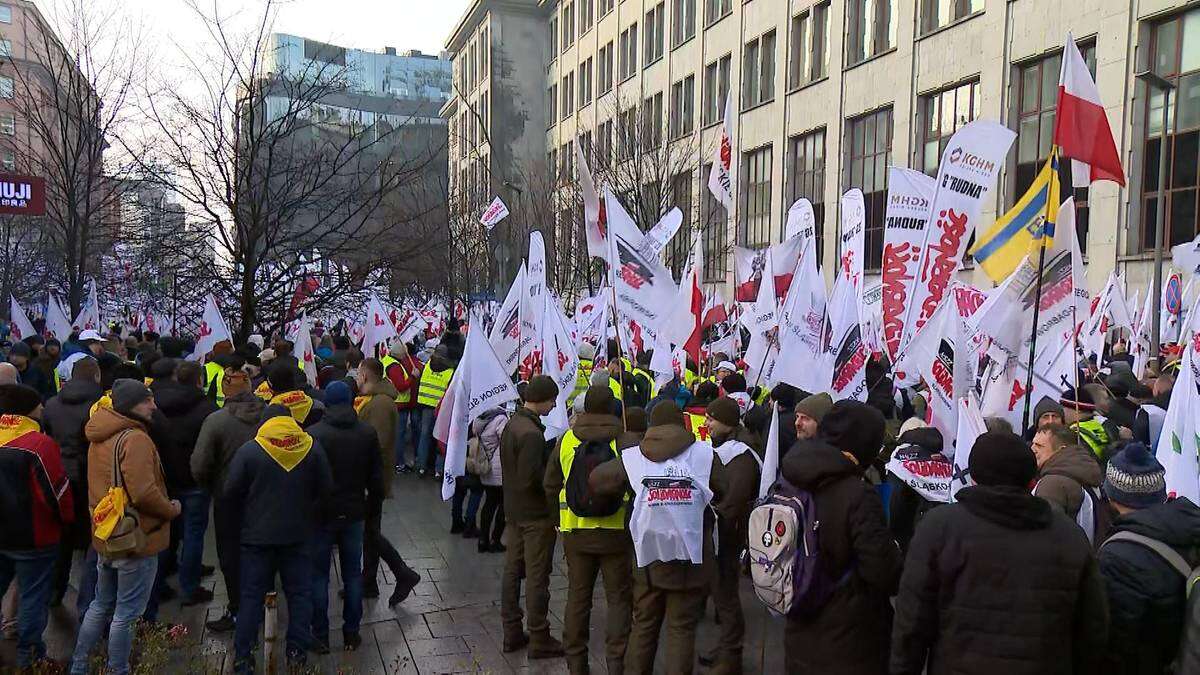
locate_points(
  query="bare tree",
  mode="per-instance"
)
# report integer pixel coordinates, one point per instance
(290, 181)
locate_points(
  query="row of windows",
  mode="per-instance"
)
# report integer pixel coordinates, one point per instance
(473, 68)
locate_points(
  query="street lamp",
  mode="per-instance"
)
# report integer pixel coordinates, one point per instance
(1153, 80)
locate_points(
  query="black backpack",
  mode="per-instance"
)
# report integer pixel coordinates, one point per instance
(580, 498)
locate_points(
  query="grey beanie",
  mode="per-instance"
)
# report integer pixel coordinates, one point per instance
(127, 393)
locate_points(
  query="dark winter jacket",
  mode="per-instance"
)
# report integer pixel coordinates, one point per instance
(906, 506)
(524, 453)
(63, 418)
(35, 377)
(850, 634)
(742, 477)
(352, 448)
(1146, 594)
(999, 582)
(1122, 412)
(222, 433)
(185, 408)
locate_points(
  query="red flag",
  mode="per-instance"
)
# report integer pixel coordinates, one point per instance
(1081, 127)
(303, 290)
(714, 310)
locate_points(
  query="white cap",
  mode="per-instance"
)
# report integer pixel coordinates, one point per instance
(90, 334)
(256, 340)
(726, 365)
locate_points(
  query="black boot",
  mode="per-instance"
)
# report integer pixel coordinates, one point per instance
(470, 532)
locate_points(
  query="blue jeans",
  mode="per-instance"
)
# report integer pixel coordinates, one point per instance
(87, 584)
(191, 550)
(33, 570)
(425, 440)
(122, 589)
(260, 564)
(348, 537)
(408, 430)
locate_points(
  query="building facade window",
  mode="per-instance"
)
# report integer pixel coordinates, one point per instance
(680, 247)
(585, 82)
(806, 159)
(5, 14)
(586, 17)
(868, 154)
(755, 231)
(628, 45)
(809, 59)
(715, 10)
(656, 21)
(652, 122)
(626, 134)
(683, 21)
(716, 89)
(8, 124)
(568, 25)
(938, 13)
(606, 6)
(1036, 102)
(870, 29)
(758, 71)
(568, 95)
(604, 143)
(683, 103)
(716, 238)
(552, 164)
(552, 104)
(553, 36)
(566, 158)
(485, 50)
(941, 114)
(604, 69)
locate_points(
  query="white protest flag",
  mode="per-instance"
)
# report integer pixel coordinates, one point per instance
(303, 349)
(761, 316)
(1187, 256)
(801, 222)
(212, 330)
(533, 305)
(594, 227)
(89, 314)
(57, 324)
(801, 328)
(853, 237)
(966, 175)
(379, 329)
(1179, 442)
(656, 238)
(408, 323)
(494, 213)
(721, 177)
(561, 362)
(770, 465)
(506, 338)
(847, 352)
(590, 315)
(970, 427)
(644, 287)
(931, 354)
(906, 222)
(684, 325)
(19, 324)
(479, 384)
(1111, 312)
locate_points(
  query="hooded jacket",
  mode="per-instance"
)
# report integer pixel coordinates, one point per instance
(222, 433)
(352, 448)
(850, 633)
(277, 482)
(906, 506)
(524, 453)
(660, 444)
(999, 582)
(586, 427)
(63, 418)
(141, 470)
(1045, 405)
(1063, 477)
(379, 413)
(1146, 595)
(185, 409)
(742, 477)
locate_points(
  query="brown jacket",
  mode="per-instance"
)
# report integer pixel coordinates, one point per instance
(524, 452)
(742, 476)
(1062, 478)
(587, 427)
(660, 444)
(142, 471)
(380, 412)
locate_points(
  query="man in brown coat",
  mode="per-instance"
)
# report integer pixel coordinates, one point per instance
(593, 545)
(524, 453)
(666, 592)
(739, 451)
(124, 584)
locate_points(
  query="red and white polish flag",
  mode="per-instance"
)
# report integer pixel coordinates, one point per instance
(1081, 129)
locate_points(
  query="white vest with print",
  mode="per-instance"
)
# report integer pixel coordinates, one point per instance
(669, 502)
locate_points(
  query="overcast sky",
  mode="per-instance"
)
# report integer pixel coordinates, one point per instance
(363, 24)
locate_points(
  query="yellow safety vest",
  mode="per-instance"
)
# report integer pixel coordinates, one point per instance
(649, 378)
(567, 520)
(213, 371)
(582, 380)
(387, 361)
(433, 386)
(688, 377)
(1094, 435)
(615, 385)
(698, 425)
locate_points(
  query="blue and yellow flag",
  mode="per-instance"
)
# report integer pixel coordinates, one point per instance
(1029, 222)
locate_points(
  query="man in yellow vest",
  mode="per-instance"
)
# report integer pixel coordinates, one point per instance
(214, 370)
(435, 379)
(593, 544)
(404, 372)
(587, 354)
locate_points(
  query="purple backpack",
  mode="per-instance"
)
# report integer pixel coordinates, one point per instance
(785, 557)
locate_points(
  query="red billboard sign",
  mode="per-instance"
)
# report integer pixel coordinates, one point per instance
(22, 195)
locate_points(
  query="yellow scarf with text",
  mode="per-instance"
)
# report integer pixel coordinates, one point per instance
(298, 403)
(284, 440)
(15, 426)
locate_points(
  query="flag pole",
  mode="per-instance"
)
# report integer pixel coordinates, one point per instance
(620, 373)
(1037, 305)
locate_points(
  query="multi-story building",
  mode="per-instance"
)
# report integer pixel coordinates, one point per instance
(826, 95)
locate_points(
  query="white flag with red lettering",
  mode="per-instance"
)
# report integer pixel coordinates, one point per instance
(212, 330)
(721, 177)
(594, 226)
(19, 326)
(506, 338)
(379, 327)
(905, 223)
(304, 349)
(57, 324)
